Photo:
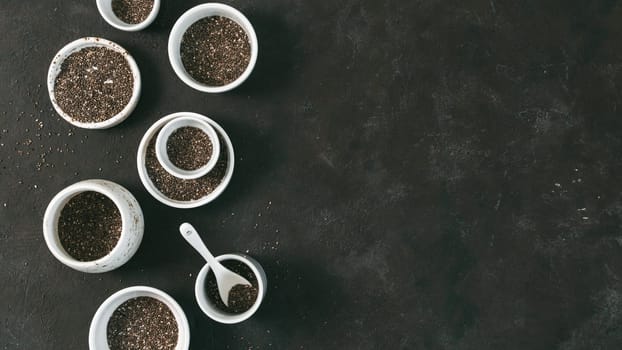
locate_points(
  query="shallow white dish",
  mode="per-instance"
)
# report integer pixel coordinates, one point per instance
(153, 190)
(77, 45)
(98, 330)
(105, 10)
(190, 17)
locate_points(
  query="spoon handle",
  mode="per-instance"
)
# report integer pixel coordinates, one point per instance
(192, 236)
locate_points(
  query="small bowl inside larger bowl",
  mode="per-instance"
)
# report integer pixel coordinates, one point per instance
(105, 10)
(98, 332)
(77, 45)
(225, 146)
(190, 17)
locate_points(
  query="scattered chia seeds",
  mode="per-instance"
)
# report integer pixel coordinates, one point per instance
(189, 148)
(241, 297)
(142, 323)
(185, 190)
(94, 84)
(132, 11)
(89, 226)
(215, 50)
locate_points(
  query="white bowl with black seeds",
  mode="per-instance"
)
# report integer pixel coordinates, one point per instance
(177, 192)
(93, 226)
(225, 47)
(129, 15)
(94, 83)
(154, 321)
(206, 289)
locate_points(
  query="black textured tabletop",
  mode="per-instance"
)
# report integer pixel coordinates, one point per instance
(411, 174)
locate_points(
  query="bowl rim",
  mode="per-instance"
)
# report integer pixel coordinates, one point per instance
(77, 45)
(179, 29)
(150, 186)
(119, 297)
(128, 27)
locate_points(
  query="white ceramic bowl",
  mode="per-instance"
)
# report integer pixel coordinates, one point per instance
(105, 10)
(190, 17)
(131, 231)
(166, 132)
(98, 331)
(213, 311)
(153, 190)
(77, 45)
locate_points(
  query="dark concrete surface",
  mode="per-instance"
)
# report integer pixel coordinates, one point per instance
(412, 174)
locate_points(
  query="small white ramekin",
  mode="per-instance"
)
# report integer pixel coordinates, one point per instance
(190, 17)
(98, 331)
(150, 186)
(77, 45)
(131, 231)
(212, 310)
(162, 141)
(105, 10)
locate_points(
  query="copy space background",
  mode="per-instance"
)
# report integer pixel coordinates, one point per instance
(411, 174)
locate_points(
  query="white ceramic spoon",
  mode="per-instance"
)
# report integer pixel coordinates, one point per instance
(225, 278)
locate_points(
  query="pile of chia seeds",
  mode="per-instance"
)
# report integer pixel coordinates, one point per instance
(132, 11)
(215, 50)
(189, 148)
(142, 323)
(89, 226)
(94, 84)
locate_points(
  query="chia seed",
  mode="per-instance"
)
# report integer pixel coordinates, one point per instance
(132, 11)
(142, 323)
(241, 297)
(94, 84)
(89, 226)
(215, 50)
(189, 148)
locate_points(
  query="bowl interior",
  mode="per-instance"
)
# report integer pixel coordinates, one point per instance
(53, 215)
(98, 330)
(105, 9)
(189, 18)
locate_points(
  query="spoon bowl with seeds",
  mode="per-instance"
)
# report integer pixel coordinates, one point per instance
(225, 278)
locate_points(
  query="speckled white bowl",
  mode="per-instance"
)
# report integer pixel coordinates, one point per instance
(98, 330)
(189, 18)
(105, 10)
(77, 45)
(212, 310)
(150, 186)
(131, 231)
